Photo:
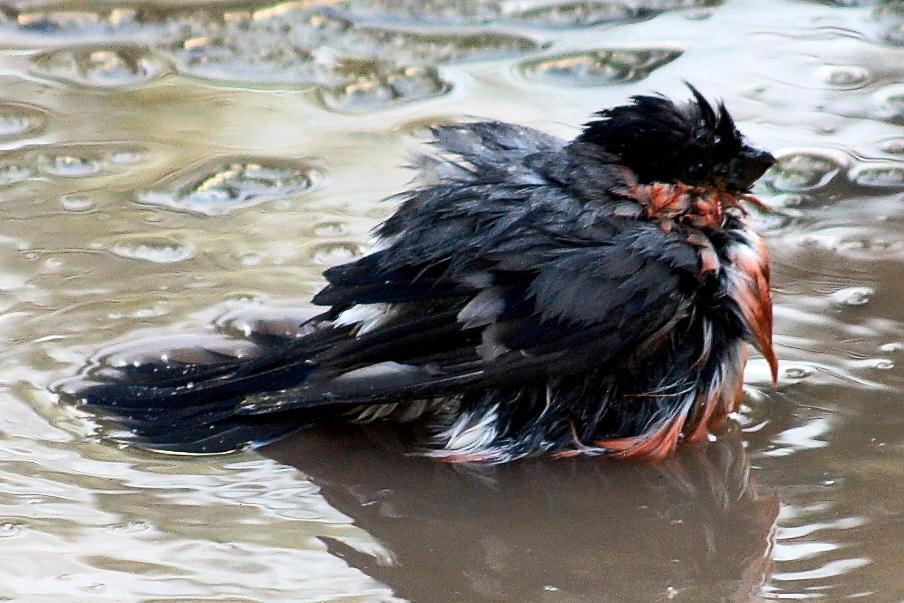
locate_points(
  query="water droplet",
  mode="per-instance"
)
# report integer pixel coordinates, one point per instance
(853, 296)
(150, 248)
(102, 66)
(223, 185)
(802, 171)
(599, 67)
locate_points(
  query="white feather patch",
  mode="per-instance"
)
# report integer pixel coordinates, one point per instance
(470, 433)
(367, 316)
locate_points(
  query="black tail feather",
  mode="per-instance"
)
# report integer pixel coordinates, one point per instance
(192, 408)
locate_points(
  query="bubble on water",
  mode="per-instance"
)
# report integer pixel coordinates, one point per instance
(158, 249)
(248, 59)
(894, 35)
(887, 175)
(598, 67)
(131, 527)
(892, 145)
(867, 243)
(330, 229)
(844, 76)
(79, 26)
(12, 172)
(435, 47)
(68, 165)
(294, 43)
(379, 89)
(103, 66)
(335, 252)
(853, 296)
(18, 120)
(849, 3)
(580, 14)
(251, 259)
(420, 12)
(798, 373)
(891, 102)
(883, 364)
(789, 200)
(11, 530)
(76, 202)
(892, 346)
(126, 156)
(225, 184)
(802, 171)
(50, 22)
(892, 13)
(583, 14)
(421, 128)
(77, 161)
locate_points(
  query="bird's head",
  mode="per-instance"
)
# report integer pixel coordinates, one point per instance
(691, 143)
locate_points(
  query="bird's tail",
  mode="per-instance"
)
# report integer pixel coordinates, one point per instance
(186, 395)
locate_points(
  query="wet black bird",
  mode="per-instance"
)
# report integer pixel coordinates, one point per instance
(529, 295)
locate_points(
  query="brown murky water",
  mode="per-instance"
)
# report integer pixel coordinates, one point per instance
(173, 169)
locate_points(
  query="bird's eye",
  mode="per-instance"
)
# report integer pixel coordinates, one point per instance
(698, 170)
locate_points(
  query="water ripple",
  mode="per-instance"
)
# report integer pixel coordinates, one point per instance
(220, 186)
(598, 67)
(102, 66)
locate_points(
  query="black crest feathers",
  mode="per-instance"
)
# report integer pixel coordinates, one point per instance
(692, 143)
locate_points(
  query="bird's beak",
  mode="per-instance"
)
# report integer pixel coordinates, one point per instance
(756, 164)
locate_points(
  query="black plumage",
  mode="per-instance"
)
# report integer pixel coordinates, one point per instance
(529, 295)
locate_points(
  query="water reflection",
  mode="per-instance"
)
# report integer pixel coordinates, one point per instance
(157, 174)
(542, 530)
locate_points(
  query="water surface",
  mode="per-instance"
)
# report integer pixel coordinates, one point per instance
(186, 170)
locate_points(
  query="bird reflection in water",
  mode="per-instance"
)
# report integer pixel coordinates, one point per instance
(542, 529)
(552, 530)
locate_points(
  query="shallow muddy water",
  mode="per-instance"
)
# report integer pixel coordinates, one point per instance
(182, 170)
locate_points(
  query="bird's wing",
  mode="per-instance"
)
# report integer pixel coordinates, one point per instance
(532, 304)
